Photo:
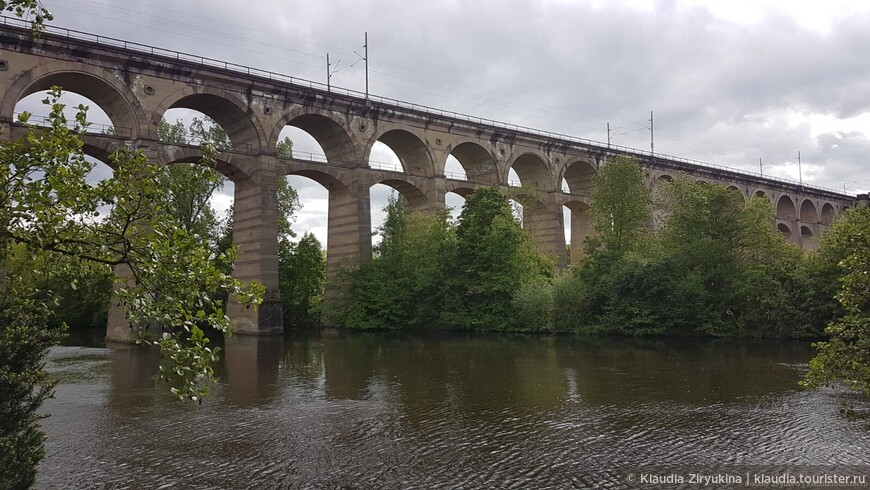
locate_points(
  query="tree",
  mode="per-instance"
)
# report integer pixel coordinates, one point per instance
(190, 187)
(845, 356)
(302, 277)
(403, 285)
(493, 257)
(619, 204)
(47, 206)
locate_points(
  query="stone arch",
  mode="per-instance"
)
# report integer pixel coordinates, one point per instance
(761, 193)
(411, 149)
(532, 169)
(828, 214)
(330, 182)
(785, 209)
(809, 214)
(100, 148)
(580, 176)
(415, 197)
(331, 132)
(98, 85)
(732, 187)
(230, 111)
(224, 164)
(785, 230)
(477, 161)
(806, 232)
(461, 191)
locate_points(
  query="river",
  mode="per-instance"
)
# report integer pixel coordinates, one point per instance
(400, 410)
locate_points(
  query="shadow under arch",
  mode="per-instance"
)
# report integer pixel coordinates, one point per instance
(734, 188)
(828, 214)
(785, 230)
(479, 164)
(415, 197)
(412, 151)
(580, 176)
(809, 213)
(532, 169)
(332, 134)
(223, 163)
(785, 209)
(228, 110)
(114, 98)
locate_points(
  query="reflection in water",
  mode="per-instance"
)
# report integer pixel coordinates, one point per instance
(251, 369)
(132, 369)
(429, 410)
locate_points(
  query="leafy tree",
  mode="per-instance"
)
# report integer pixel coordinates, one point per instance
(25, 338)
(48, 205)
(190, 187)
(48, 209)
(619, 204)
(302, 277)
(284, 148)
(493, 257)
(76, 292)
(845, 356)
(403, 285)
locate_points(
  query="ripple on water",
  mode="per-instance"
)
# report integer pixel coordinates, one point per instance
(370, 412)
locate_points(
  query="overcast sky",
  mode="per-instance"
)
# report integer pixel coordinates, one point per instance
(729, 81)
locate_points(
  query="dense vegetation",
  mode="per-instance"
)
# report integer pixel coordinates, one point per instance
(712, 265)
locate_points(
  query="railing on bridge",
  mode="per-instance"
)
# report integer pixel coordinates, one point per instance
(90, 128)
(395, 103)
(455, 176)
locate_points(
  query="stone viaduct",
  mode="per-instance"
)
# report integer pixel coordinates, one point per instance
(136, 84)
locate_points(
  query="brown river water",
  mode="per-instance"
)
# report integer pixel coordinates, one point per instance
(400, 410)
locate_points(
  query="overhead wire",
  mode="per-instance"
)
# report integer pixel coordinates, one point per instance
(458, 94)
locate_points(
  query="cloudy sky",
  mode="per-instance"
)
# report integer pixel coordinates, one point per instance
(729, 81)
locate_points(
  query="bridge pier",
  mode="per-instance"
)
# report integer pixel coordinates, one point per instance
(547, 229)
(255, 231)
(349, 243)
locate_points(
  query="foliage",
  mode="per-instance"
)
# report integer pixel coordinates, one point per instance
(478, 274)
(302, 278)
(284, 149)
(33, 10)
(492, 258)
(190, 187)
(403, 285)
(76, 291)
(716, 267)
(48, 205)
(25, 338)
(619, 204)
(845, 356)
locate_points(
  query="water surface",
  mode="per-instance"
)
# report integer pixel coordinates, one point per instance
(442, 410)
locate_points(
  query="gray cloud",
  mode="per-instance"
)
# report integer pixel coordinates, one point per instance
(722, 92)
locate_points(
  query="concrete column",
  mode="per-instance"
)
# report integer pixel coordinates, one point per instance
(349, 243)
(118, 328)
(255, 231)
(581, 227)
(547, 230)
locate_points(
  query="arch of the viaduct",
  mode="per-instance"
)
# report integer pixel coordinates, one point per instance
(331, 131)
(136, 89)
